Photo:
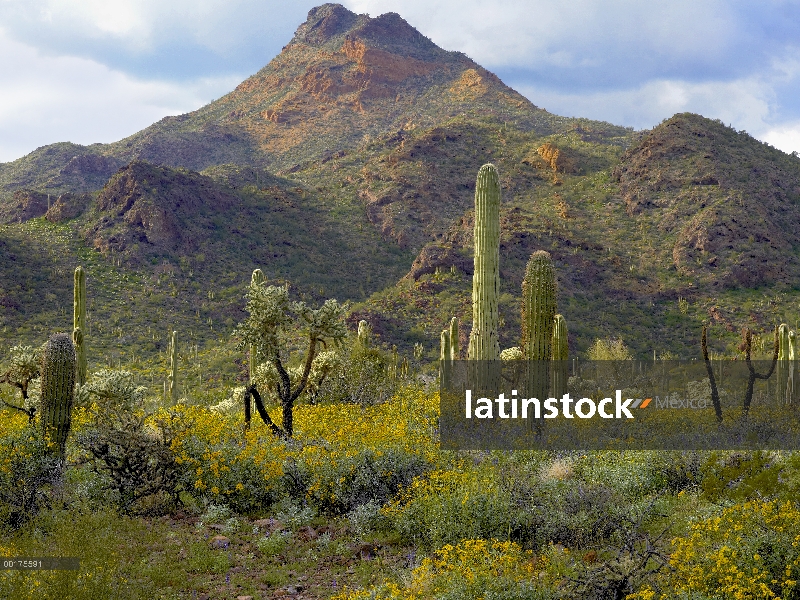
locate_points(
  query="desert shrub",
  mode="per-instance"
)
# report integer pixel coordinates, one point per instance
(751, 550)
(741, 476)
(366, 518)
(472, 569)
(128, 447)
(355, 479)
(446, 506)
(274, 543)
(566, 502)
(609, 349)
(137, 461)
(27, 472)
(221, 464)
(634, 474)
(573, 513)
(359, 375)
(347, 455)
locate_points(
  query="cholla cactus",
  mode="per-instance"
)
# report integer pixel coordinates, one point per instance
(112, 390)
(364, 334)
(58, 389)
(514, 353)
(26, 363)
(256, 279)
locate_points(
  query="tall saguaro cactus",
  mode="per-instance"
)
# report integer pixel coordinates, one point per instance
(57, 390)
(538, 314)
(173, 368)
(792, 361)
(560, 352)
(484, 342)
(79, 323)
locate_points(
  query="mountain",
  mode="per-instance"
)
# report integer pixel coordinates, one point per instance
(347, 167)
(342, 79)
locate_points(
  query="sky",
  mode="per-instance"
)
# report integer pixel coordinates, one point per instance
(90, 71)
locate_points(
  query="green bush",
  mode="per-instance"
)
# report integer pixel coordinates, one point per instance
(27, 475)
(362, 375)
(444, 507)
(135, 458)
(351, 481)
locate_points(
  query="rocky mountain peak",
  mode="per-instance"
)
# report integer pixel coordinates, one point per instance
(335, 26)
(323, 24)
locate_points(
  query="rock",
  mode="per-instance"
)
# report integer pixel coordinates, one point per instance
(67, 206)
(25, 205)
(220, 541)
(307, 533)
(271, 525)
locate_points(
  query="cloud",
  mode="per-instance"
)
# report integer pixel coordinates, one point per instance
(607, 44)
(47, 99)
(786, 137)
(154, 38)
(630, 62)
(742, 102)
(97, 70)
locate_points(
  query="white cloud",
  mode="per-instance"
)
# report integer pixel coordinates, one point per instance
(744, 103)
(543, 35)
(786, 137)
(119, 29)
(98, 70)
(48, 99)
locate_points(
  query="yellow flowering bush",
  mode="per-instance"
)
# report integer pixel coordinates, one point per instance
(25, 469)
(751, 551)
(222, 464)
(470, 569)
(342, 455)
(445, 506)
(350, 454)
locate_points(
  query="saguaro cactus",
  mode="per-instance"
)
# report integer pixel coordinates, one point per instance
(57, 389)
(455, 351)
(538, 314)
(484, 343)
(560, 352)
(172, 377)
(445, 361)
(792, 352)
(782, 374)
(79, 323)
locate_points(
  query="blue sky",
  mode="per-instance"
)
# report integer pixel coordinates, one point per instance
(98, 70)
